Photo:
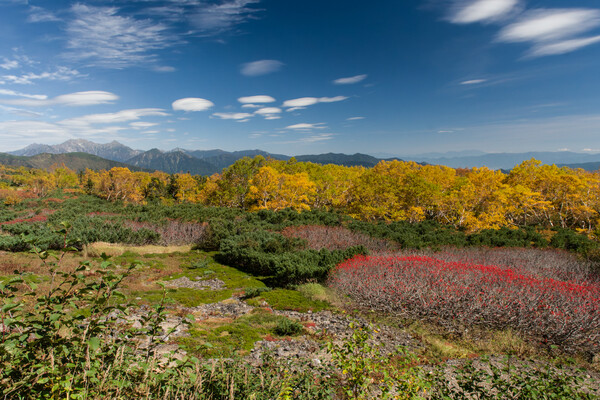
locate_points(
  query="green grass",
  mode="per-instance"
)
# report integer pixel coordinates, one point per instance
(201, 264)
(184, 296)
(287, 299)
(227, 338)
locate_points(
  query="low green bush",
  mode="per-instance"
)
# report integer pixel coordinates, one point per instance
(288, 327)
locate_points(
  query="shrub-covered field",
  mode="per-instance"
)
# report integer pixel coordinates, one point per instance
(532, 296)
(286, 279)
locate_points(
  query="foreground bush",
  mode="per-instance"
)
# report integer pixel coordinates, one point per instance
(558, 312)
(271, 254)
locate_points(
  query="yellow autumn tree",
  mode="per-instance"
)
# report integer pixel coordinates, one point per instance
(272, 190)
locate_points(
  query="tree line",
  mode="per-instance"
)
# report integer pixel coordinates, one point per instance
(473, 199)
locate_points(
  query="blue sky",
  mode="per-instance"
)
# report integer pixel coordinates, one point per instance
(303, 77)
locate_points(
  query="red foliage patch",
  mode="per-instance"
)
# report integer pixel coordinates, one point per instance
(37, 218)
(452, 293)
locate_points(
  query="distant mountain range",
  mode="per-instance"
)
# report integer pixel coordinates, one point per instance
(76, 154)
(201, 162)
(508, 160)
(75, 161)
(111, 151)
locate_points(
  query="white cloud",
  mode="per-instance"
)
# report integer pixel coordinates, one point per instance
(565, 46)
(305, 126)
(309, 139)
(550, 25)
(270, 117)
(469, 11)
(235, 116)
(256, 99)
(251, 106)
(20, 112)
(112, 118)
(295, 109)
(355, 118)
(142, 125)
(72, 99)
(262, 67)
(350, 80)
(7, 92)
(332, 99)
(473, 82)
(192, 104)
(164, 68)
(99, 36)
(39, 14)
(309, 101)
(61, 74)
(9, 64)
(268, 110)
(212, 19)
(318, 138)
(553, 31)
(301, 102)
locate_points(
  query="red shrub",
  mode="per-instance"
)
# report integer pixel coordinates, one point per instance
(37, 218)
(335, 238)
(173, 232)
(453, 293)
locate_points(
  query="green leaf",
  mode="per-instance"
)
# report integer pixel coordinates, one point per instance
(94, 343)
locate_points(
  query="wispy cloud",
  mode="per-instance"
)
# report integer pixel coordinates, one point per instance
(269, 112)
(39, 14)
(61, 74)
(305, 126)
(261, 67)
(114, 118)
(192, 104)
(142, 125)
(355, 118)
(553, 31)
(20, 112)
(550, 25)
(469, 11)
(317, 137)
(565, 46)
(309, 101)
(7, 92)
(9, 64)
(101, 37)
(350, 80)
(212, 19)
(88, 98)
(473, 82)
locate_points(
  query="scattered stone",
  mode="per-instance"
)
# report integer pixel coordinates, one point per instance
(233, 308)
(185, 282)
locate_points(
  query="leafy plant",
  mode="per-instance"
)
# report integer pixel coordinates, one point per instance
(288, 327)
(366, 372)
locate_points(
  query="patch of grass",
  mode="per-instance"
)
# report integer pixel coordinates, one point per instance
(225, 338)
(202, 264)
(184, 296)
(288, 327)
(286, 299)
(112, 249)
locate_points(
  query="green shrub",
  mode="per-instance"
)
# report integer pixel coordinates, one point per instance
(252, 292)
(288, 327)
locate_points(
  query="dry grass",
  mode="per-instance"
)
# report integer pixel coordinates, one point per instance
(112, 249)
